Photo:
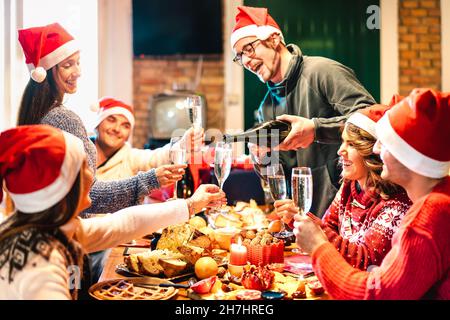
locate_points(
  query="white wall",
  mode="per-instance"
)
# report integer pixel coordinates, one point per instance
(116, 49)
(79, 17)
(389, 55)
(234, 77)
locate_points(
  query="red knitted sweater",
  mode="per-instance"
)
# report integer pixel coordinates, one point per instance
(416, 267)
(360, 226)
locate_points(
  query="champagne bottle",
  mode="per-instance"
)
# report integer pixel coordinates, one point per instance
(185, 187)
(269, 133)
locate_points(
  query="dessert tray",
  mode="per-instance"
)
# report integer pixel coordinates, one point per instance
(133, 289)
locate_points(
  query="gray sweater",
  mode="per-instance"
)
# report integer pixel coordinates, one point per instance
(107, 196)
(327, 92)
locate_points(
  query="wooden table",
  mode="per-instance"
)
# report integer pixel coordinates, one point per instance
(116, 257)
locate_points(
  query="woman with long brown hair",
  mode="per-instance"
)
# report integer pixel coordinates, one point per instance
(46, 174)
(53, 57)
(367, 210)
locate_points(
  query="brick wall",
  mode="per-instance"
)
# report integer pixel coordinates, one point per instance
(419, 44)
(156, 74)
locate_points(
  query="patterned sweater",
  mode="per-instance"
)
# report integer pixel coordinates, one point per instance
(416, 267)
(360, 226)
(33, 268)
(107, 196)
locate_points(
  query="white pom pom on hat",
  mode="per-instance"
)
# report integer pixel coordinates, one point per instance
(39, 74)
(95, 107)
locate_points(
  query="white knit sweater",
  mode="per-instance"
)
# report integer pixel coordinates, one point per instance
(50, 279)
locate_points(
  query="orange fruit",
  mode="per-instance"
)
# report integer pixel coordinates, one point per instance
(206, 267)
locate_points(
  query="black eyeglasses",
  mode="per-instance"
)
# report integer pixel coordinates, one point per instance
(248, 50)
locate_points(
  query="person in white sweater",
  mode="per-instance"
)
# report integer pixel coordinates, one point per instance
(116, 159)
(43, 245)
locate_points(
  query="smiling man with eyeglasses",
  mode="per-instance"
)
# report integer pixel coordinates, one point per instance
(315, 94)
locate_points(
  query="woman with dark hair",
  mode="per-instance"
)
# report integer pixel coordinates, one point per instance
(44, 243)
(53, 57)
(367, 210)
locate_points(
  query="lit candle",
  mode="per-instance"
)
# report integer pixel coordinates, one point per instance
(238, 254)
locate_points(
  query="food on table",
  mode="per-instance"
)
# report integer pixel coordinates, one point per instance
(172, 267)
(206, 230)
(221, 272)
(147, 263)
(206, 267)
(223, 236)
(301, 285)
(217, 286)
(248, 295)
(120, 289)
(299, 295)
(275, 226)
(191, 253)
(257, 278)
(202, 242)
(197, 222)
(287, 236)
(223, 220)
(204, 286)
(285, 283)
(174, 236)
(316, 287)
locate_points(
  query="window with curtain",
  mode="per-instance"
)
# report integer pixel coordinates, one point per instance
(79, 17)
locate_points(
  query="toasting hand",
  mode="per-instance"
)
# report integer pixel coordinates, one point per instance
(207, 195)
(168, 174)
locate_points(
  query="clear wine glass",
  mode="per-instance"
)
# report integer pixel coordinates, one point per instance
(277, 183)
(222, 163)
(194, 107)
(302, 190)
(177, 153)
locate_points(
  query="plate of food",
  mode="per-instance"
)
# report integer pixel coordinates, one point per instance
(134, 289)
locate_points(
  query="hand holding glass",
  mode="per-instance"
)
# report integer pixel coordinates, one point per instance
(177, 154)
(194, 107)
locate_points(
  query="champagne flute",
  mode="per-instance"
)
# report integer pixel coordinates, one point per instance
(222, 162)
(177, 153)
(194, 107)
(277, 184)
(302, 192)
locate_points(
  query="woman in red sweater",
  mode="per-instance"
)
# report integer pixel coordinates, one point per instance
(413, 139)
(366, 211)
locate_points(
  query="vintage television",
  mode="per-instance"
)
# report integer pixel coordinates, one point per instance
(167, 114)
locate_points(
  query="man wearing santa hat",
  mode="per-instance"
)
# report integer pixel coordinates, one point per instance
(316, 95)
(413, 144)
(116, 159)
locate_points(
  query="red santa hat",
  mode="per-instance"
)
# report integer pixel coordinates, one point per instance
(416, 132)
(108, 106)
(44, 47)
(254, 22)
(39, 165)
(367, 118)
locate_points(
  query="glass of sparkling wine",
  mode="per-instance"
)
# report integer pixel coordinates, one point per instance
(222, 163)
(177, 153)
(194, 107)
(277, 183)
(302, 189)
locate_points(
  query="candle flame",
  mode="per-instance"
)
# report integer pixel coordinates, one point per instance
(239, 242)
